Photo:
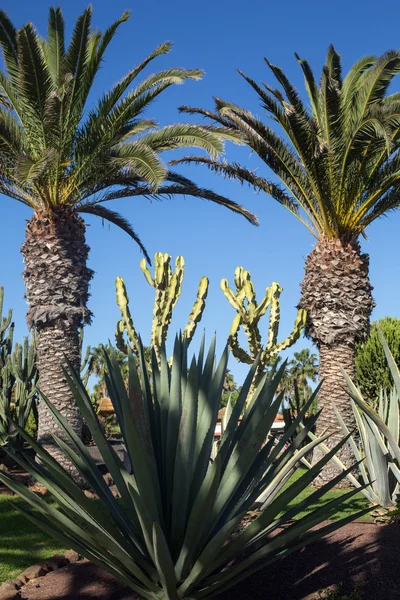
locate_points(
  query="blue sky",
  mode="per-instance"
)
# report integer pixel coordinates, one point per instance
(218, 37)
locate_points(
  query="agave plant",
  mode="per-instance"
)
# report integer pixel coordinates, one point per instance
(377, 444)
(170, 536)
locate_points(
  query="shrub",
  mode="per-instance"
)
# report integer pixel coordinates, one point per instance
(372, 369)
(175, 532)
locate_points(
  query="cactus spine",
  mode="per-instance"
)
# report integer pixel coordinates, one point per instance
(168, 287)
(249, 314)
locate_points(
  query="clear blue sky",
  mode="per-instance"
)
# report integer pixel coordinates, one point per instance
(218, 37)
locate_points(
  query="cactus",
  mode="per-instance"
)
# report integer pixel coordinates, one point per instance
(249, 314)
(18, 380)
(168, 286)
(86, 368)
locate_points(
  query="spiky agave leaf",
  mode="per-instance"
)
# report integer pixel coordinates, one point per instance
(171, 531)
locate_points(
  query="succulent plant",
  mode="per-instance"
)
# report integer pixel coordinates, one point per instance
(376, 443)
(175, 532)
(168, 286)
(249, 314)
(18, 380)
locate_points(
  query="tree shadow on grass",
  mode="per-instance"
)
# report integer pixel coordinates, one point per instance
(21, 543)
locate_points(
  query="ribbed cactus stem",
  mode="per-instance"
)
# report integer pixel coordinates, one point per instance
(168, 288)
(299, 325)
(4, 321)
(123, 303)
(274, 314)
(249, 313)
(197, 310)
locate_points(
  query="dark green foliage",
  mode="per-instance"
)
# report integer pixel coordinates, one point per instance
(18, 382)
(170, 534)
(372, 369)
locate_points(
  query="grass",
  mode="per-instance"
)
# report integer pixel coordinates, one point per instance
(22, 544)
(349, 507)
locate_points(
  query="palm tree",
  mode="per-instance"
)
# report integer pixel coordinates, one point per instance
(62, 160)
(99, 367)
(337, 169)
(303, 368)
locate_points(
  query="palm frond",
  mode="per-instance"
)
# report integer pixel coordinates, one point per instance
(184, 136)
(75, 62)
(34, 74)
(8, 42)
(116, 219)
(239, 173)
(175, 185)
(142, 159)
(311, 87)
(290, 91)
(55, 45)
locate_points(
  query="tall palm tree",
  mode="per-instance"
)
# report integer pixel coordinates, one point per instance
(337, 169)
(62, 160)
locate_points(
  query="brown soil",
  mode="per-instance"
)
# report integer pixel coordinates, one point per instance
(356, 554)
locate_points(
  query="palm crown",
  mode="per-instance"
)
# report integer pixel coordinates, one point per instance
(54, 153)
(337, 159)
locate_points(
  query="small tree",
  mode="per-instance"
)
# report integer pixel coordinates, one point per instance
(372, 370)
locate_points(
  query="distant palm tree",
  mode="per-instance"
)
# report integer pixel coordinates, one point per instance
(303, 367)
(62, 159)
(338, 165)
(99, 367)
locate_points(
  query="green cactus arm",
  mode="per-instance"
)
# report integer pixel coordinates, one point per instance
(239, 278)
(146, 272)
(4, 321)
(250, 296)
(178, 279)
(197, 310)
(233, 342)
(123, 303)
(172, 293)
(253, 338)
(231, 297)
(264, 304)
(298, 328)
(16, 362)
(86, 359)
(119, 337)
(275, 291)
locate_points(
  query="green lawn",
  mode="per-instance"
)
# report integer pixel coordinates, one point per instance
(22, 544)
(353, 505)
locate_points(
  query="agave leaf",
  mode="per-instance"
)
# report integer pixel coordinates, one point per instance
(374, 417)
(164, 563)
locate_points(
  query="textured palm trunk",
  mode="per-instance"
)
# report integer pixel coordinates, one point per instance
(333, 392)
(336, 292)
(57, 283)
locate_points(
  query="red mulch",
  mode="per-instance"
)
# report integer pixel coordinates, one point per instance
(357, 553)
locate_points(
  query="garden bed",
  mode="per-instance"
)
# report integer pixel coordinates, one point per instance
(358, 554)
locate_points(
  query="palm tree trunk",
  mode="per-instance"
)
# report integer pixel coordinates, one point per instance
(333, 358)
(336, 292)
(57, 283)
